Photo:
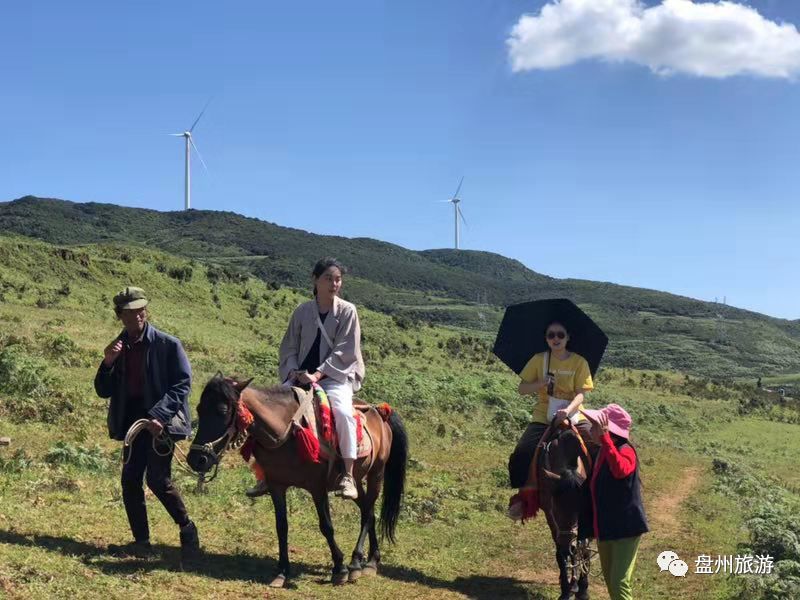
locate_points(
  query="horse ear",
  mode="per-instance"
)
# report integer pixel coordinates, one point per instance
(219, 375)
(240, 385)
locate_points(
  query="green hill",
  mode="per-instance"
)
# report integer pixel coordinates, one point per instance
(466, 289)
(717, 461)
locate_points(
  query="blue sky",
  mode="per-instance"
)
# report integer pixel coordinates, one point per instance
(634, 164)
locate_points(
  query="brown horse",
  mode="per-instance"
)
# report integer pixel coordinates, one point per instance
(563, 468)
(275, 451)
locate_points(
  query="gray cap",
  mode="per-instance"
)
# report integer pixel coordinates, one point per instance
(130, 298)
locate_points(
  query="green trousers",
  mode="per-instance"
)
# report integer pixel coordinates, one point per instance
(617, 559)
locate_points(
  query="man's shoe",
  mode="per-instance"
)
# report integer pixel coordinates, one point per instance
(132, 549)
(347, 488)
(190, 541)
(259, 489)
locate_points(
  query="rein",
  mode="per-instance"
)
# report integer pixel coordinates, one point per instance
(162, 438)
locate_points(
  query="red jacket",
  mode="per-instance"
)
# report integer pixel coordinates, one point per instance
(616, 492)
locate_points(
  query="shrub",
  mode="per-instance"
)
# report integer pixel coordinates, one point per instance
(28, 388)
(18, 462)
(89, 459)
(181, 274)
(21, 374)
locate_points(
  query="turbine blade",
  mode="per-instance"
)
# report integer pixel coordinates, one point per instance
(460, 214)
(191, 141)
(176, 134)
(200, 116)
(458, 189)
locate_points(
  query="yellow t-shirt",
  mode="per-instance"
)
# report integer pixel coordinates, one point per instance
(572, 376)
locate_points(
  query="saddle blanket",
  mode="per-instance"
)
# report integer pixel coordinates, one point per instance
(319, 419)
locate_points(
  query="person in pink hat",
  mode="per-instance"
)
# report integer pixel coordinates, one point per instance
(619, 518)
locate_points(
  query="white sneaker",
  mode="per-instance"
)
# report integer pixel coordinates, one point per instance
(347, 488)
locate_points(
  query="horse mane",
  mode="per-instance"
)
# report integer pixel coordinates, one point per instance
(227, 387)
(218, 386)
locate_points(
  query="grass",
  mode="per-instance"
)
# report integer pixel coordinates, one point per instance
(60, 502)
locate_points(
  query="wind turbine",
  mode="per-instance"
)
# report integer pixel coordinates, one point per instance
(187, 136)
(457, 214)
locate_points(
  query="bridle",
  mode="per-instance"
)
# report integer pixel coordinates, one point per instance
(233, 439)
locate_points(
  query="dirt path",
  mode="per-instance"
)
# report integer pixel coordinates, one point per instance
(664, 515)
(663, 512)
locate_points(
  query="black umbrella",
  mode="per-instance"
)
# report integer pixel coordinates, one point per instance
(522, 332)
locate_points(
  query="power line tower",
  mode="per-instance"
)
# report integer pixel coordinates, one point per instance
(481, 301)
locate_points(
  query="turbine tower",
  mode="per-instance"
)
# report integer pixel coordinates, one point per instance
(457, 214)
(187, 136)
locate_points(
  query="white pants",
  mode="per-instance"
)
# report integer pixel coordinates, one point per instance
(340, 395)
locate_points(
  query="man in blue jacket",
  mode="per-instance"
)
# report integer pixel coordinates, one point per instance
(146, 374)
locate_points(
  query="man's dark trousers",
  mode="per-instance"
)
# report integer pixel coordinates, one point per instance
(159, 472)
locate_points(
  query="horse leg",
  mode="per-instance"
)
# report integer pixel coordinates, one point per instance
(585, 557)
(583, 587)
(367, 506)
(340, 572)
(562, 558)
(278, 495)
(374, 485)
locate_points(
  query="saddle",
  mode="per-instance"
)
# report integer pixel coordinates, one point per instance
(275, 423)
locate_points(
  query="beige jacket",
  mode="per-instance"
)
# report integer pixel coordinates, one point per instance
(343, 362)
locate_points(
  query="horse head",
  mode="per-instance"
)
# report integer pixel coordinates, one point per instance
(562, 475)
(216, 429)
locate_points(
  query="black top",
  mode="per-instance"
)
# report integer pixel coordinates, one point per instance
(619, 510)
(312, 360)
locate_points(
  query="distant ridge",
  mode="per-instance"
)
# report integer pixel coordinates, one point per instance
(465, 288)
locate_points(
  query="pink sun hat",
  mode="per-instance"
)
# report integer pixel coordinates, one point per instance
(619, 421)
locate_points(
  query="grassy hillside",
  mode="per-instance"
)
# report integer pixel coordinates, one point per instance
(716, 460)
(465, 289)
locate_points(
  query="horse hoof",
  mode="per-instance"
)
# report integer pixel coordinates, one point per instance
(280, 581)
(340, 578)
(369, 571)
(354, 576)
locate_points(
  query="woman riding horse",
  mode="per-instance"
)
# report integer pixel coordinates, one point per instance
(224, 403)
(555, 377)
(322, 345)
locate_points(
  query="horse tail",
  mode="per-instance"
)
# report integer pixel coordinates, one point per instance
(394, 482)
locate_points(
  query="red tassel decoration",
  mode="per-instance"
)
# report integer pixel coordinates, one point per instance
(359, 429)
(307, 444)
(385, 410)
(258, 471)
(529, 497)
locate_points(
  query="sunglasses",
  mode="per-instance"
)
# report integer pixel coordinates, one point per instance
(551, 335)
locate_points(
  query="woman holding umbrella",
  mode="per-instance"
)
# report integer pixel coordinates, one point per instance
(563, 382)
(556, 370)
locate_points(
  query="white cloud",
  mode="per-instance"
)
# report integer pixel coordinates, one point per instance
(706, 39)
